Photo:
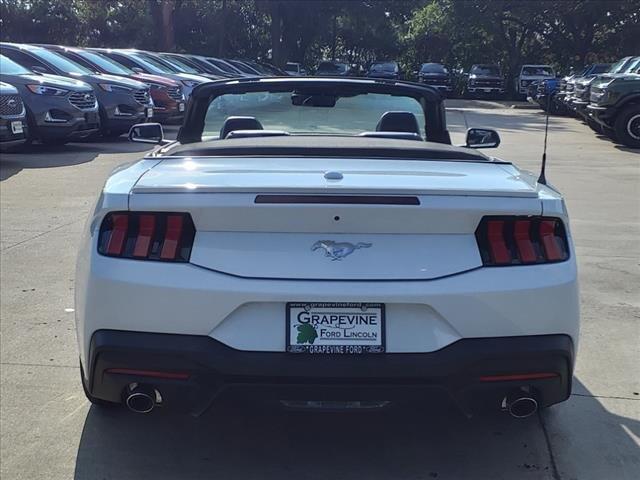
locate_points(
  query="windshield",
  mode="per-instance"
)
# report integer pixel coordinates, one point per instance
(243, 67)
(152, 64)
(433, 68)
(633, 66)
(178, 65)
(619, 65)
(9, 67)
(384, 67)
(105, 63)
(299, 113)
(538, 71)
(60, 62)
(332, 67)
(490, 70)
(601, 68)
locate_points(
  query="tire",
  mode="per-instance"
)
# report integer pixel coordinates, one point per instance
(627, 126)
(95, 401)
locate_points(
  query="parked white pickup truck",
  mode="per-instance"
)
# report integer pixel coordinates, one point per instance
(530, 74)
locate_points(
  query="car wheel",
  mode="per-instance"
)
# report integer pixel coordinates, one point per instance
(95, 401)
(627, 126)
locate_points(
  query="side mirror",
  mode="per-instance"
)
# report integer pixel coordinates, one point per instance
(137, 69)
(482, 138)
(147, 133)
(38, 69)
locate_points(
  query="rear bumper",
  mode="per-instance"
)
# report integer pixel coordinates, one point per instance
(463, 372)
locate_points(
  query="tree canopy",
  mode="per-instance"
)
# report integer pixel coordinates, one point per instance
(566, 33)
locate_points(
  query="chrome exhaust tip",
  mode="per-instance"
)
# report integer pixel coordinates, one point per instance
(140, 398)
(520, 404)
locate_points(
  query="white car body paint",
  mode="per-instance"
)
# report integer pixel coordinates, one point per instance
(248, 260)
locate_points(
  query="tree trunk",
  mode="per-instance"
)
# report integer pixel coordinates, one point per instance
(276, 34)
(163, 13)
(222, 31)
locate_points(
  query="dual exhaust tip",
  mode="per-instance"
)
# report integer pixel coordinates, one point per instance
(520, 404)
(140, 398)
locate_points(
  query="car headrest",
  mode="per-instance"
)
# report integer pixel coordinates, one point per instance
(398, 122)
(239, 123)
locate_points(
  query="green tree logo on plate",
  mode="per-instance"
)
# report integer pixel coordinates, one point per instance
(306, 333)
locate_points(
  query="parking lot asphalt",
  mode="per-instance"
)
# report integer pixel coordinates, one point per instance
(49, 430)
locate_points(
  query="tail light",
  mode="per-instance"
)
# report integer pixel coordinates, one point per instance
(521, 240)
(166, 237)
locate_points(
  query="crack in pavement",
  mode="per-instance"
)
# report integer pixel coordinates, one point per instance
(604, 396)
(555, 473)
(40, 235)
(18, 364)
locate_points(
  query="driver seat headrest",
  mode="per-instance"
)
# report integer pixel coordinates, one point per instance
(398, 122)
(239, 123)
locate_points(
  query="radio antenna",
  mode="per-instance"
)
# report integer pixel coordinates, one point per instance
(542, 178)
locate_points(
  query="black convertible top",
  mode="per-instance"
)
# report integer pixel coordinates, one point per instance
(324, 146)
(429, 98)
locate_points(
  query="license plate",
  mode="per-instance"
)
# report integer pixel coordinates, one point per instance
(16, 127)
(149, 112)
(181, 107)
(339, 328)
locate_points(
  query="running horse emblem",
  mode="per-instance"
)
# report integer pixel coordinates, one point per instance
(338, 250)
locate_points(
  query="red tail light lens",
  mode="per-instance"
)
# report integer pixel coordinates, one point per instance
(515, 240)
(166, 237)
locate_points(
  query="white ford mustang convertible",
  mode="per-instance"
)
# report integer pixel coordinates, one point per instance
(319, 243)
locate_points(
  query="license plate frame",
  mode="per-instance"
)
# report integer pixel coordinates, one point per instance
(363, 313)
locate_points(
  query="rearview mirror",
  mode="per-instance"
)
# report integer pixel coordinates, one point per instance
(147, 133)
(304, 100)
(482, 138)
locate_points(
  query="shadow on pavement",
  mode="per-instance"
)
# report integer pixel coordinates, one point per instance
(48, 156)
(231, 442)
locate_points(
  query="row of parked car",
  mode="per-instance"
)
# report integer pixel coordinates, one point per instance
(55, 94)
(480, 81)
(605, 96)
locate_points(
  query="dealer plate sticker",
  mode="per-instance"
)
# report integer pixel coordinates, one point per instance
(181, 107)
(16, 127)
(342, 328)
(149, 112)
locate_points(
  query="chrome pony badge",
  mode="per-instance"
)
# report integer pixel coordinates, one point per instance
(338, 250)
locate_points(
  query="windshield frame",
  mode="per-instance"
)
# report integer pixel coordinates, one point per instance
(204, 94)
